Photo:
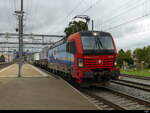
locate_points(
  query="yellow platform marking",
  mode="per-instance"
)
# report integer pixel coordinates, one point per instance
(6, 68)
(11, 71)
(31, 71)
(27, 71)
(42, 73)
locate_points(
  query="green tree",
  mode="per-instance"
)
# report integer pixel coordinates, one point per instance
(143, 55)
(2, 58)
(148, 56)
(128, 57)
(140, 54)
(75, 27)
(120, 58)
(124, 56)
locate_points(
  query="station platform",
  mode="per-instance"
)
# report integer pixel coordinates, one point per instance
(36, 90)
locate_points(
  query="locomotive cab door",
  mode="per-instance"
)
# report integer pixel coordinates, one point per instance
(71, 50)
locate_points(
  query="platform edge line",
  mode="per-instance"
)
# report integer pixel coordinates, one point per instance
(83, 95)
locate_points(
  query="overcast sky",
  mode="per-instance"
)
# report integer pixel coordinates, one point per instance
(127, 20)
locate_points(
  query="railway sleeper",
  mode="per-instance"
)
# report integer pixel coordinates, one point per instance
(110, 109)
(104, 106)
(119, 99)
(130, 104)
(115, 98)
(125, 101)
(139, 107)
(96, 101)
(100, 104)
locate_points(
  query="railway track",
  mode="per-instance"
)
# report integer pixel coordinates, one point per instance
(4, 65)
(136, 77)
(109, 99)
(137, 85)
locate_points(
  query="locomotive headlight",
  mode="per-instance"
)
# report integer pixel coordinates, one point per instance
(80, 63)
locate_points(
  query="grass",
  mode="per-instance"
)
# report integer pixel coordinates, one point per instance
(145, 72)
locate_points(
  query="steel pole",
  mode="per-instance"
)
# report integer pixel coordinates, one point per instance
(19, 71)
(20, 40)
(92, 25)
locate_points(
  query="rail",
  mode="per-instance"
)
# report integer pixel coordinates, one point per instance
(137, 85)
(137, 77)
(116, 100)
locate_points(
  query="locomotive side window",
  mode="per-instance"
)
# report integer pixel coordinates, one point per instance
(71, 47)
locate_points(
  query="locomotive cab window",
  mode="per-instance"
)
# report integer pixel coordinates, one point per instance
(97, 43)
(71, 47)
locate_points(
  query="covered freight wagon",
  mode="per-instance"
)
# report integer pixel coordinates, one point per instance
(36, 58)
(44, 57)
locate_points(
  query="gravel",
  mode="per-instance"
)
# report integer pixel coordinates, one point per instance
(131, 91)
(137, 80)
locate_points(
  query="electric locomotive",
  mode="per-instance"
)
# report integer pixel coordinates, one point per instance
(86, 57)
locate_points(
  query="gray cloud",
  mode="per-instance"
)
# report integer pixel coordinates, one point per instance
(50, 17)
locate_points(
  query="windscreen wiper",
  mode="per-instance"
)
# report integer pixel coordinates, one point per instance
(99, 43)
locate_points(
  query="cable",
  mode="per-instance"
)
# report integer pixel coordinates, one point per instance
(123, 6)
(115, 8)
(91, 6)
(10, 5)
(78, 4)
(75, 8)
(15, 8)
(31, 14)
(141, 4)
(127, 22)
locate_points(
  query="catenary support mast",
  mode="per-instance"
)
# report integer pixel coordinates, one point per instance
(20, 15)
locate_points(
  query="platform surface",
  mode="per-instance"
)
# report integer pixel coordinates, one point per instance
(37, 91)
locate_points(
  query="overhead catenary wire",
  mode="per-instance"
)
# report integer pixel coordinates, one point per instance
(127, 22)
(70, 13)
(121, 7)
(96, 3)
(10, 9)
(14, 1)
(117, 15)
(43, 23)
(75, 8)
(28, 15)
(130, 21)
(91, 6)
(124, 12)
(87, 9)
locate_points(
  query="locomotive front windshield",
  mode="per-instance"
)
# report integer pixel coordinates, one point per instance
(98, 44)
